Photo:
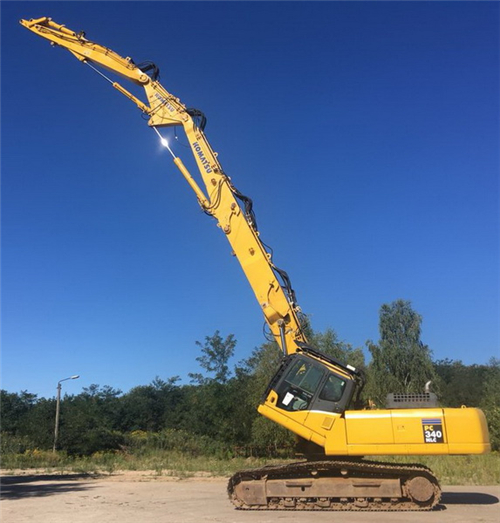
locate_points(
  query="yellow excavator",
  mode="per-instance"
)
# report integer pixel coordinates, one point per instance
(312, 395)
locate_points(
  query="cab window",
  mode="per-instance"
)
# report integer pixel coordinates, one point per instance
(333, 389)
(299, 386)
(306, 376)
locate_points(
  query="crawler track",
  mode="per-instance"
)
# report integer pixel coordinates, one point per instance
(336, 485)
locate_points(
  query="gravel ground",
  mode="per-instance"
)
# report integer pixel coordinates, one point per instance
(139, 496)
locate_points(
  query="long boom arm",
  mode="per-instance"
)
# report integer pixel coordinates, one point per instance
(220, 199)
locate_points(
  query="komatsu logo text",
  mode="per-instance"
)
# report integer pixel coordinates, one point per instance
(165, 102)
(201, 156)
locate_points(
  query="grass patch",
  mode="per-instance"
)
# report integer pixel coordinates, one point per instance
(450, 470)
(161, 462)
(483, 469)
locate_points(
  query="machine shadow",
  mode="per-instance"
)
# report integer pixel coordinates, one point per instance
(468, 498)
(18, 487)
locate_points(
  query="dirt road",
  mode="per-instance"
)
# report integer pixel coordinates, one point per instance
(133, 498)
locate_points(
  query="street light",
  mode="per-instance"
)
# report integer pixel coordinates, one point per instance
(58, 402)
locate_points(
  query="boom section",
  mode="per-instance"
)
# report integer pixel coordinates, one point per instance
(219, 199)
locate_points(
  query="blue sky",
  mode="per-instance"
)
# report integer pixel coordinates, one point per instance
(367, 135)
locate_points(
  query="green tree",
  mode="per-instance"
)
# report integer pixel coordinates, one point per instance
(400, 361)
(261, 366)
(474, 386)
(151, 407)
(490, 402)
(216, 353)
(217, 405)
(460, 384)
(329, 344)
(87, 421)
(15, 408)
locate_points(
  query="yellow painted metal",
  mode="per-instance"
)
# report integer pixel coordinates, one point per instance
(84, 49)
(467, 431)
(219, 200)
(204, 203)
(387, 432)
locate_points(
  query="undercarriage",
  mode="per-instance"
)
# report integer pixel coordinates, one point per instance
(336, 485)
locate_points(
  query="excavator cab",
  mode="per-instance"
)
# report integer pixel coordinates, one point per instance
(310, 393)
(305, 383)
(309, 382)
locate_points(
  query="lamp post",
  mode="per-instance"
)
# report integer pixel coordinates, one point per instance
(58, 403)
